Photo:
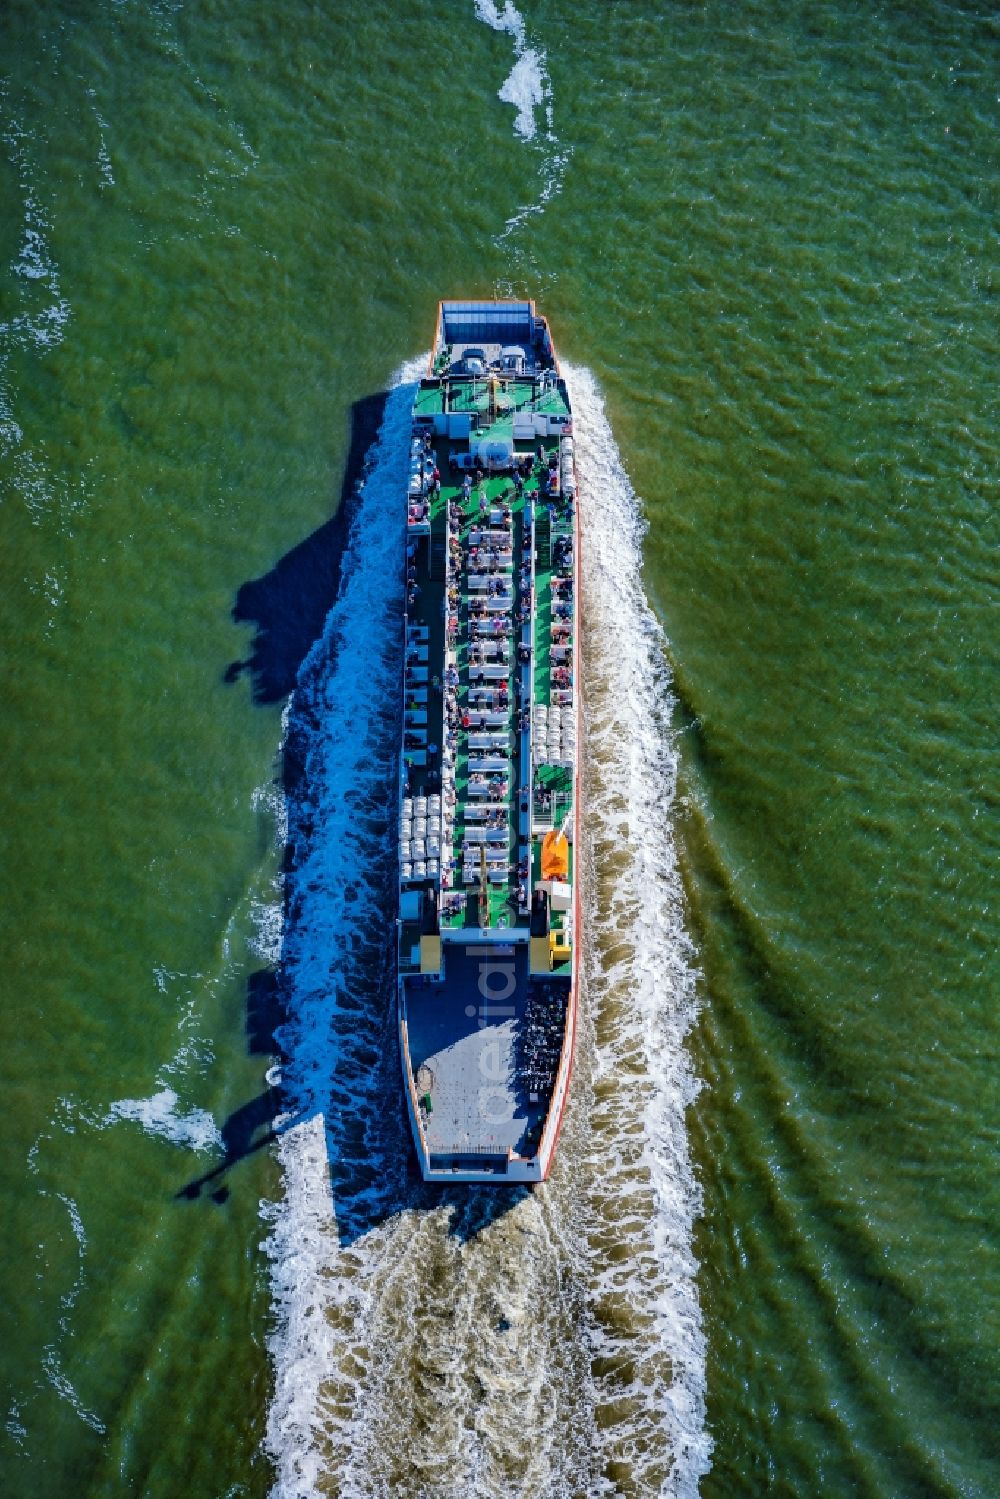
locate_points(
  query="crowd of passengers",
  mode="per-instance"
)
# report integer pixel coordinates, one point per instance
(540, 1037)
(496, 787)
(493, 558)
(562, 554)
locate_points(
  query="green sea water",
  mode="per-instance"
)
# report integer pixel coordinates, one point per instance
(769, 234)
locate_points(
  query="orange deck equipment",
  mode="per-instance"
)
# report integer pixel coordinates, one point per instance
(555, 856)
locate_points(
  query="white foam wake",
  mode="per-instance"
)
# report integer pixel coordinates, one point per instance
(432, 1342)
(528, 88)
(194, 1129)
(37, 318)
(338, 948)
(44, 311)
(640, 977)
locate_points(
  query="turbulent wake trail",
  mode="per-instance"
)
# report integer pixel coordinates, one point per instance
(641, 1193)
(492, 1342)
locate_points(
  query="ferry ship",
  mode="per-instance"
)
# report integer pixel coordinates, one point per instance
(489, 915)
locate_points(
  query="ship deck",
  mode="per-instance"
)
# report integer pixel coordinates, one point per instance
(487, 1064)
(492, 697)
(487, 948)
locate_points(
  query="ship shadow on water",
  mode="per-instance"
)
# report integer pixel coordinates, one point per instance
(251, 1127)
(371, 1165)
(372, 1169)
(289, 605)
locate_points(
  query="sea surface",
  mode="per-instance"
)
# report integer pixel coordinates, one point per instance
(767, 1258)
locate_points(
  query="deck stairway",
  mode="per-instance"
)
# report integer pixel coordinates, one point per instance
(550, 808)
(439, 553)
(543, 541)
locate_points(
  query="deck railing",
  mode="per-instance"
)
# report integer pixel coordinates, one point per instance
(550, 807)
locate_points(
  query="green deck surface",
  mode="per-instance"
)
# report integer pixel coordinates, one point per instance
(473, 395)
(428, 612)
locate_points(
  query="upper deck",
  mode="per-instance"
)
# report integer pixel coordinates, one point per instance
(490, 711)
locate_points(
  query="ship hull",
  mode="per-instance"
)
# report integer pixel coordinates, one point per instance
(490, 929)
